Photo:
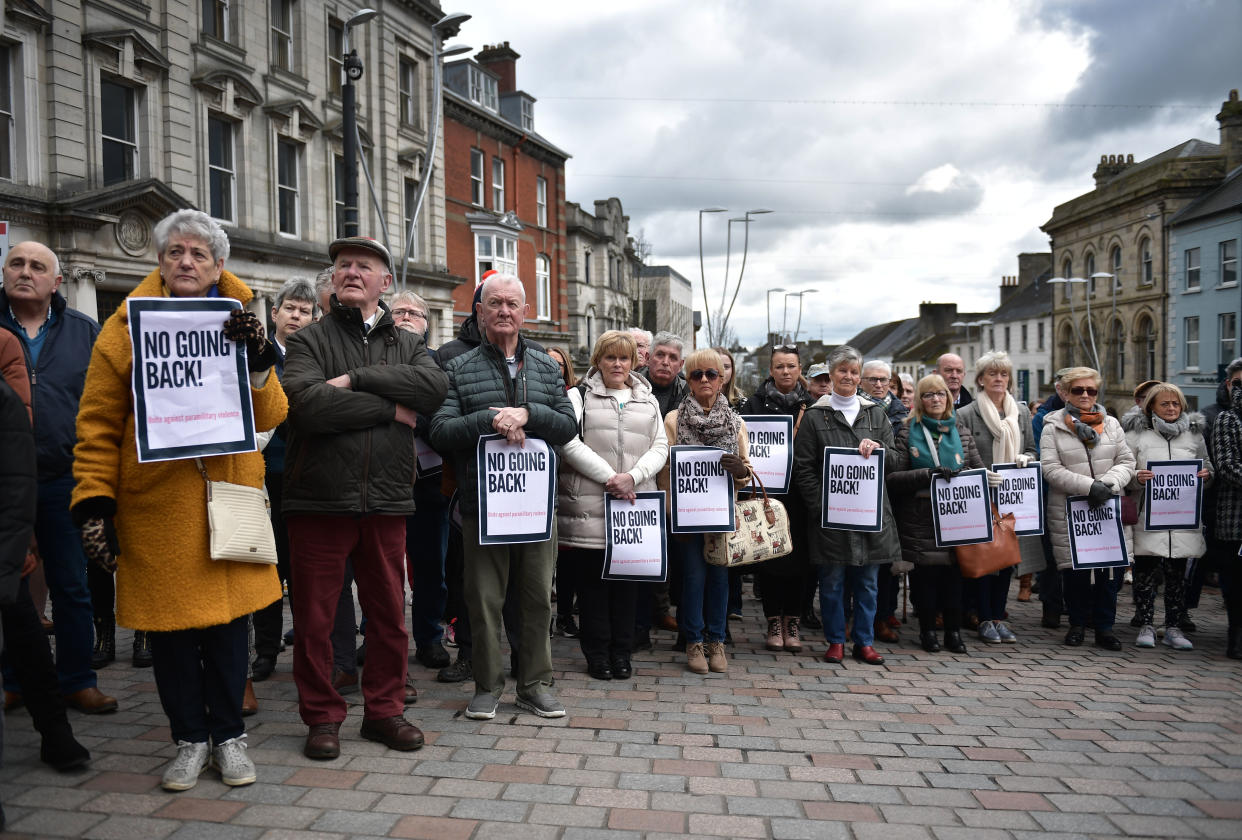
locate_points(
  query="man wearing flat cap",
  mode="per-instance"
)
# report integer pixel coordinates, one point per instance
(355, 385)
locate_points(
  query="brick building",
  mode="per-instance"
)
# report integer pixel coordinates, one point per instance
(504, 190)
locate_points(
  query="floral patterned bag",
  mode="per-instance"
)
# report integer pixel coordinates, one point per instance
(762, 533)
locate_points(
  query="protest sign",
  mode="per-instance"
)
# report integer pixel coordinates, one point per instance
(701, 491)
(1174, 499)
(1097, 538)
(517, 490)
(429, 461)
(962, 508)
(637, 544)
(771, 449)
(853, 490)
(190, 383)
(1021, 493)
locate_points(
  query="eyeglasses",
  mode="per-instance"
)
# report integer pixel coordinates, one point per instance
(875, 380)
(408, 313)
(935, 395)
(1079, 390)
(711, 375)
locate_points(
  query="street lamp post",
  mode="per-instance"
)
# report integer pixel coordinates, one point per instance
(1069, 281)
(769, 308)
(724, 290)
(352, 71)
(759, 211)
(707, 306)
(439, 30)
(798, 328)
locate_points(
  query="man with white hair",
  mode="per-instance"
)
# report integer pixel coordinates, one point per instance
(953, 370)
(876, 374)
(643, 339)
(504, 386)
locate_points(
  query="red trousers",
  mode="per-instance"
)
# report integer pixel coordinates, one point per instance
(318, 548)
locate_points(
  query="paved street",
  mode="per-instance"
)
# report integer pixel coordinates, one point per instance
(1036, 740)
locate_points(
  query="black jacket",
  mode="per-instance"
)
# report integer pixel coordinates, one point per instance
(468, 338)
(668, 396)
(18, 490)
(346, 453)
(56, 382)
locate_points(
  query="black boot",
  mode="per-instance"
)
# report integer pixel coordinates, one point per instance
(1234, 649)
(142, 650)
(953, 632)
(61, 750)
(105, 643)
(928, 637)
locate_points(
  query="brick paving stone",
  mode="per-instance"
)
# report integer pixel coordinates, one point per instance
(630, 819)
(610, 798)
(980, 818)
(790, 829)
(727, 826)
(398, 803)
(54, 823)
(433, 828)
(355, 822)
(325, 778)
(878, 831)
(214, 831)
(1086, 823)
(184, 808)
(131, 828)
(1003, 800)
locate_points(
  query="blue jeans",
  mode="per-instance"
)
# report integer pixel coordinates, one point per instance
(64, 567)
(863, 584)
(704, 593)
(426, 544)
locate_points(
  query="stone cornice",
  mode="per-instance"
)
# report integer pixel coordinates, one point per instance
(144, 51)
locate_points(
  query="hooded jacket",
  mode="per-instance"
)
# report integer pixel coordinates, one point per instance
(1149, 445)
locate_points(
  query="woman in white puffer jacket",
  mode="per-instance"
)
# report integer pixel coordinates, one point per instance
(1168, 433)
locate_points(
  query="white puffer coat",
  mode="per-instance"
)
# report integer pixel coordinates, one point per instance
(1068, 468)
(1149, 445)
(614, 439)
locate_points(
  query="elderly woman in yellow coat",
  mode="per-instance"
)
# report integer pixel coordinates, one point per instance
(149, 520)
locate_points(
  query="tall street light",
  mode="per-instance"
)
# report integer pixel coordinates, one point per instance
(707, 306)
(443, 28)
(769, 308)
(724, 290)
(798, 328)
(352, 71)
(745, 247)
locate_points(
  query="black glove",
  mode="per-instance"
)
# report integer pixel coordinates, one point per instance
(99, 542)
(945, 472)
(735, 465)
(244, 327)
(1098, 494)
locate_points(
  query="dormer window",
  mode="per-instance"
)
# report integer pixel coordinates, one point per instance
(528, 115)
(483, 89)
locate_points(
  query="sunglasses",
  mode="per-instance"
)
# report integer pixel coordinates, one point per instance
(1079, 390)
(785, 348)
(711, 375)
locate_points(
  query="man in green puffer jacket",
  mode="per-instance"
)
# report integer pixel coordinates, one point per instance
(503, 386)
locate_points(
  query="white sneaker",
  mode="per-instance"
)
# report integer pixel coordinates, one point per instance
(183, 773)
(1006, 635)
(234, 765)
(1146, 637)
(1176, 639)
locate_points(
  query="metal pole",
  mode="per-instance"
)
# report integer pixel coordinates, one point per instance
(707, 306)
(429, 156)
(350, 115)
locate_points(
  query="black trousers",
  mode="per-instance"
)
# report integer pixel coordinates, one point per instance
(938, 589)
(201, 676)
(268, 622)
(606, 608)
(26, 648)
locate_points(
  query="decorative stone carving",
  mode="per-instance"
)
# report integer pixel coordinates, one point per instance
(133, 233)
(82, 273)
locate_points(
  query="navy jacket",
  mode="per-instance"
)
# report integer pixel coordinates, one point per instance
(56, 382)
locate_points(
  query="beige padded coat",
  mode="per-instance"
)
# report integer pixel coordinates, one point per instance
(1070, 468)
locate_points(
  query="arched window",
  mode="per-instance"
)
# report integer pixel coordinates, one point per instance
(1118, 342)
(1146, 277)
(1145, 341)
(1090, 268)
(1114, 260)
(1067, 271)
(1065, 344)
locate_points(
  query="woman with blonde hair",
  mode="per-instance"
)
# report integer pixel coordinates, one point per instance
(566, 362)
(728, 371)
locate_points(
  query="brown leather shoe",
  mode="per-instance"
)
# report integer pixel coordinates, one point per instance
(322, 741)
(667, 622)
(344, 682)
(250, 703)
(92, 701)
(12, 700)
(396, 733)
(411, 693)
(884, 633)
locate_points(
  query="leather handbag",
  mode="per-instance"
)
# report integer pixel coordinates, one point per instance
(1129, 510)
(762, 532)
(981, 559)
(239, 522)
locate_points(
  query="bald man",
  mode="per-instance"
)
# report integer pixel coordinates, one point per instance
(953, 370)
(57, 342)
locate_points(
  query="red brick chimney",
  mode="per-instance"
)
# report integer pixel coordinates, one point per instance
(1230, 119)
(502, 61)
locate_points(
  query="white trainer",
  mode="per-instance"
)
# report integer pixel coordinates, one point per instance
(234, 765)
(1176, 639)
(184, 771)
(1146, 637)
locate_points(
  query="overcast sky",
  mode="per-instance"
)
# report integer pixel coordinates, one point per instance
(909, 150)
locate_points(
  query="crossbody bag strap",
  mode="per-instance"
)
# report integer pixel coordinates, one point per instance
(935, 455)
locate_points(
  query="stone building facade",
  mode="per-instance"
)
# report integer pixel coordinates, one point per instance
(504, 197)
(123, 112)
(604, 275)
(666, 302)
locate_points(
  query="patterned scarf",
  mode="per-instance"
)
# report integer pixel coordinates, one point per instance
(944, 435)
(1171, 430)
(717, 428)
(1086, 424)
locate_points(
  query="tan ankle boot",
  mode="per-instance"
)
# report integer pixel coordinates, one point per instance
(793, 643)
(1024, 587)
(716, 658)
(776, 634)
(695, 660)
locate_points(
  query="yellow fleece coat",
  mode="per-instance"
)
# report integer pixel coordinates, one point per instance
(166, 579)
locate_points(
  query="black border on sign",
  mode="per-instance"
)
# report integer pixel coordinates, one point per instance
(609, 502)
(1198, 523)
(135, 308)
(983, 478)
(1039, 490)
(824, 524)
(775, 418)
(1115, 501)
(673, 452)
(511, 539)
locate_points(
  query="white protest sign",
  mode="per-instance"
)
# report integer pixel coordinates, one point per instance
(853, 490)
(4, 241)
(962, 508)
(1021, 493)
(429, 461)
(517, 490)
(1097, 539)
(1174, 498)
(702, 491)
(190, 383)
(637, 543)
(771, 449)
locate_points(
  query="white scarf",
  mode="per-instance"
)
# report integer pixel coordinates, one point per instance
(1006, 436)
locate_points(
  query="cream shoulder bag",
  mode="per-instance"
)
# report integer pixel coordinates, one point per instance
(239, 521)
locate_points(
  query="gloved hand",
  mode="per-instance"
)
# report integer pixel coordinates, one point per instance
(1098, 494)
(100, 543)
(994, 479)
(900, 567)
(945, 472)
(244, 327)
(735, 465)
(1022, 460)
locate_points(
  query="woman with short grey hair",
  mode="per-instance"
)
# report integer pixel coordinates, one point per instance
(192, 224)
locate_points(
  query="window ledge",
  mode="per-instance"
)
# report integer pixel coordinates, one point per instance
(1232, 285)
(1195, 291)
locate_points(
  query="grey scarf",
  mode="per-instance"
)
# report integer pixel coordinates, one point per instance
(1171, 430)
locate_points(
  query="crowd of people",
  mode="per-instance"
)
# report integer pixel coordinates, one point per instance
(369, 441)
